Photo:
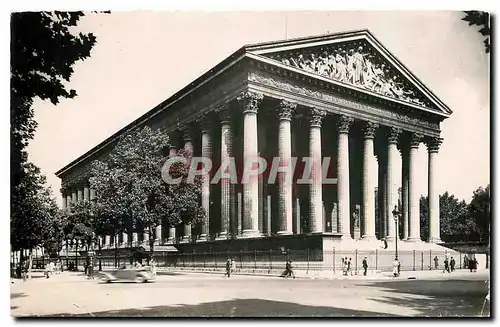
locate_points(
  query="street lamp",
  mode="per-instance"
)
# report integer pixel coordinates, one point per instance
(396, 213)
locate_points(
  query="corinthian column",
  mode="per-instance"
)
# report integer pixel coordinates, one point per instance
(315, 188)
(434, 228)
(188, 148)
(171, 231)
(206, 152)
(285, 112)
(369, 181)
(392, 188)
(343, 190)
(413, 196)
(405, 202)
(250, 102)
(226, 152)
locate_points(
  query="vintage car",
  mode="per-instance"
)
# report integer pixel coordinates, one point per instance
(128, 273)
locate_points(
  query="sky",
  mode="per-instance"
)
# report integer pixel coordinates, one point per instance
(142, 58)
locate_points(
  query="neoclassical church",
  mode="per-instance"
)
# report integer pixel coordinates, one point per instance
(341, 96)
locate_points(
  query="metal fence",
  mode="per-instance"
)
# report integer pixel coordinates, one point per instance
(302, 260)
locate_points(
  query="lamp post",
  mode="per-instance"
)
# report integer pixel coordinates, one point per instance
(396, 213)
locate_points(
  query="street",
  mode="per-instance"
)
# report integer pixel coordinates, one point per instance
(196, 295)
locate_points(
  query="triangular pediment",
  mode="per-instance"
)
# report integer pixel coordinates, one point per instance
(356, 59)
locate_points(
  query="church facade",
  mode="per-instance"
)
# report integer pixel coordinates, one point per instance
(340, 96)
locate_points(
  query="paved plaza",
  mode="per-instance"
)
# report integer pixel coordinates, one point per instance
(195, 294)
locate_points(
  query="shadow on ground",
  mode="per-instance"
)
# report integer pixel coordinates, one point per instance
(232, 308)
(441, 299)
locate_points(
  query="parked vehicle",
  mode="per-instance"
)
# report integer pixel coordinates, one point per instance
(128, 273)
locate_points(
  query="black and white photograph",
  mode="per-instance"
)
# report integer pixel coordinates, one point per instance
(250, 164)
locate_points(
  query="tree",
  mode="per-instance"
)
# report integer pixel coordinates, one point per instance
(43, 52)
(480, 213)
(481, 19)
(130, 191)
(452, 215)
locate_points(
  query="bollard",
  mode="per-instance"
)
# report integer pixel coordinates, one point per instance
(270, 260)
(254, 260)
(356, 261)
(422, 261)
(307, 272)
(430, 259)
(413, 260)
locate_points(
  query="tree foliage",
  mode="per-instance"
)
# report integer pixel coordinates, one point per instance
(459, 221)
(131, 194)
(481, 19)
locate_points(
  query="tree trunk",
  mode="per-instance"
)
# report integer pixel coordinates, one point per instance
(151, 244)
(30, 263)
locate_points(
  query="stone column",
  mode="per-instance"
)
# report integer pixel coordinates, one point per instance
(65, 203)
(206, 152)
(226, 152)
(392, 188)
(124, 238)
(250, 102)
(107, 241)
(433, 145)
(285, 112)
(343, 189)
(74, 197)
(80, 195)
(405, 165)
(413, 196)
(369, 182)
(171, 231)
(92, 194)
(188, 148)
(316, 187)
(145, 237)
(158, 238)
(68, 200)
(86, 193)
(135, 239)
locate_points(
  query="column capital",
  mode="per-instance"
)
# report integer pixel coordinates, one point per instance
(250, 101)
(369, 129)
(205, 122)
(315, 117)
(415, 140)
(286, 110)
(223, 112)
(393, 135)
(433, 144)
(344, 124)
(186, 133)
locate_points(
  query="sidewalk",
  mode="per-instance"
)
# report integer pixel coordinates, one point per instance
(372, 275)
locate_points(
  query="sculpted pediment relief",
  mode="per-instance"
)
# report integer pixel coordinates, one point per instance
(358, 62)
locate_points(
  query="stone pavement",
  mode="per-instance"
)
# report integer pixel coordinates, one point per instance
(195, 294)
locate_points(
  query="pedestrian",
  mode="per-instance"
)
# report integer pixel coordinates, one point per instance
(365, 266)
(344, 266)
(466, 262)
(446, 266)
(51, 267)
(228, 268)
(233, 265)
(289, 270)
(474, 264)
(385, 243)
(452, 264)
(91, 268)
(395, 267)
(86, 266)
(152, 263)
(436, 262)
(349, 265)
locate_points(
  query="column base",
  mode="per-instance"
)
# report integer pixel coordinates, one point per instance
(223, 236)
(170, 241)
(186, 239)
(414, 240)
(346, 237)
(369, 238)
(284, 232)
(202, 238)
(434, 240)
(248, 233)
(156, 242)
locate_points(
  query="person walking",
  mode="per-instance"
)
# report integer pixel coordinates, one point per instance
(153, 267)
(289, 270)
(344, 266)
(466, 262)
(436, 262)
(365, 266)
(349, 265)
(228, 268)
(446, 266)
(395, 267)
(452, 264)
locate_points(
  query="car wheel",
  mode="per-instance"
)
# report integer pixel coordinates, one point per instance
(139, 279)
